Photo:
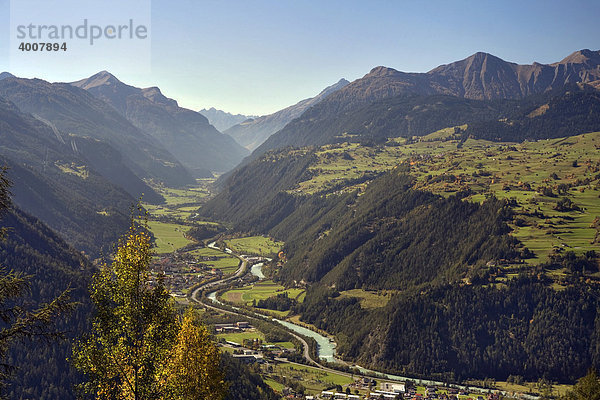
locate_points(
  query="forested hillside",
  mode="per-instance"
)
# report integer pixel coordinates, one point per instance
(522, 329)
(63, 187)
(31, 248)
(420, 269)
(73, 111)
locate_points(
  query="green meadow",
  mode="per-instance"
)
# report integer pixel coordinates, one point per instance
(258, 245)
(260, 291)
(569, 167)
(239, 337)
(313, 379)
(368, 299)
(225, 262)
(169, 237)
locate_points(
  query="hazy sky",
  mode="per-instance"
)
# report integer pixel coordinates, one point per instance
(255, 57)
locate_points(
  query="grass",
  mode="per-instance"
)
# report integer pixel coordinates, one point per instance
(313, 379)
(368, 300)
(169, 237)
(259, 245)
(180, 203)
(557, 390)
(72, 169)
(276, 386)
(225, 262)
(238, 337)
(259, 291)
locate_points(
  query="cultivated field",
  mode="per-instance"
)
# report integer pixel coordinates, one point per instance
(169, 237)
(259, 245)
(536, 175)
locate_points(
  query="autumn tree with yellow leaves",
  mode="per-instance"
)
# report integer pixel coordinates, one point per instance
(138, 347)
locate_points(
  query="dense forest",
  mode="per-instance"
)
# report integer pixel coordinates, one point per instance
(393, 237)
(31, 248)
(474, 331)
(432, 255)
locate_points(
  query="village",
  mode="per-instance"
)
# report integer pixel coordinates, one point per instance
(184, 270)
(265, 356)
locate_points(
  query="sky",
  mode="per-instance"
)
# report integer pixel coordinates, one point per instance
(256, 57)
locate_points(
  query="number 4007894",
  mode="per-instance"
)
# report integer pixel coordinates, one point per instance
(25, 46)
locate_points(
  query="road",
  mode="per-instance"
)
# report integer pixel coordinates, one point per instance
(240, 272)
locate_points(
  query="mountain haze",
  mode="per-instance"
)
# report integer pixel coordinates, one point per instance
(185, 133)
(223, 120)
(71, 111)
(254, 132)
(62, 187)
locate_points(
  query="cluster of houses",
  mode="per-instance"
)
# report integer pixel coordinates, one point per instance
(251, 351)
(393, 391)
(182, 270)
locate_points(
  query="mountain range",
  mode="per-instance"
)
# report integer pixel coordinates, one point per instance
(452, 292)
(253, 132)
(223, 120)
(481, 76)
(430, 217)
(73, 184)
(71, 111)
(187, 134)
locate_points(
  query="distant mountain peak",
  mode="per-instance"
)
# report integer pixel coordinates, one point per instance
(382, 71)
(336, 86)
(98, 79)
(4, 75)
(585, 56)
(154, 94)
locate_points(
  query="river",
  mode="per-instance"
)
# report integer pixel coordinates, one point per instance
(325, 347)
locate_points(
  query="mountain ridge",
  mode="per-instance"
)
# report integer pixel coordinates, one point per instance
(223, 120)
(251, 133)
(480, 76)
(71, 110)
(187, 134)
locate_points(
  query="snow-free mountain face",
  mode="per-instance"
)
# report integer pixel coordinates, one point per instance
(253, 132)
(72, 111)
(223, 120)
(481, 76)
(4, 75)
(185, 133)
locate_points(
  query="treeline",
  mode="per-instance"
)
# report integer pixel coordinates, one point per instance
(205, 231)
(393, 237)
(568, 111)
(280, 302)
(457, 332)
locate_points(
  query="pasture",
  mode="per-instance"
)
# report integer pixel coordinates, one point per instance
(255, 245)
